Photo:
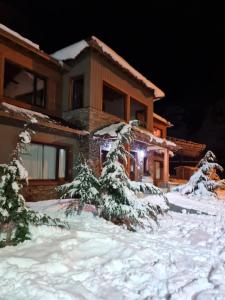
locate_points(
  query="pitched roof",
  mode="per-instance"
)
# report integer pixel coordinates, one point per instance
(72, 52)
(161, 119)
(188, 148)
(13, 36)
(140, 134)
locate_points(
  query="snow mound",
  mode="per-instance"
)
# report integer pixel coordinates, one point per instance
(183, 259)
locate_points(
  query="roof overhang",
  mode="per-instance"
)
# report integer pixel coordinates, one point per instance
(12, 115)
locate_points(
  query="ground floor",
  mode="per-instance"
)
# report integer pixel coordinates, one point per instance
(55, 148)
(97, 260)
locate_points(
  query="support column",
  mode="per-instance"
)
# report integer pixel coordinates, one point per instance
(166, 166)
(127, 109)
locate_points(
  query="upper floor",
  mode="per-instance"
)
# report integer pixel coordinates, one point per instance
(29, 78)
(87, 83)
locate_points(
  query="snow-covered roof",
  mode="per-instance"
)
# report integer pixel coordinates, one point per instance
(158, 117)
(72, 51)
(17, 35)
(112, 130)
(37, 118)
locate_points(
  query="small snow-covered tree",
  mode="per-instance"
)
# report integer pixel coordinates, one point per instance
(15, 218)
(202, 182)
(119, 202)
(84, 187)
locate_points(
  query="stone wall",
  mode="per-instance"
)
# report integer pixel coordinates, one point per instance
(89, 119)
(40, 192)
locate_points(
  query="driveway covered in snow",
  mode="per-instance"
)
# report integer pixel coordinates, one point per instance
(182, 259)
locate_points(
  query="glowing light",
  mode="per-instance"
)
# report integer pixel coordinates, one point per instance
(141, 153)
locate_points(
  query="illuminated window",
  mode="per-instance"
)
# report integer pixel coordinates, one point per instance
(23, 85)
(45, 162)
(138, 111)
(157, 132)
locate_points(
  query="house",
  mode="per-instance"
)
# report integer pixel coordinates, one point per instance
(67, 97)
(187, 157)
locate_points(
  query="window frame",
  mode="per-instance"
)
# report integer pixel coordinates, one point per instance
(114, 88)
(146, 107)
(57, 178)
(72, 79)
(156, 128)
(36, 76)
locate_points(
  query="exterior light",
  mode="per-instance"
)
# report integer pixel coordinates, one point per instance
(141, 154)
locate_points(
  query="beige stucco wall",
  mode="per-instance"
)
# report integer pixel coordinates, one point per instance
(39, 190)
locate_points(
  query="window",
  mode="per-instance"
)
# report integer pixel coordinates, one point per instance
(114, 102)
(133, 165)
(78, 92)
(146, 167)
(45, 162)
(23, 85)
(138, 111)
(157, 132)
(158, 169)
(103, 156)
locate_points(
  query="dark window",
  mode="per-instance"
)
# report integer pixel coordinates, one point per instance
(146, 167)
(113, 102)
(157, 132)
(23, 85)
(138, 111)
(45, 161)
(78, 92)
(103, 156)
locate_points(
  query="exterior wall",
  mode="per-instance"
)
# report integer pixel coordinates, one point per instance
(38, 189)
(78, 117)
(96, 70)
(102, 70)
(51, 73)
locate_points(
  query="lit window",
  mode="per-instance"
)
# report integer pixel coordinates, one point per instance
(157, 132)
(23, 85)
(42, 161)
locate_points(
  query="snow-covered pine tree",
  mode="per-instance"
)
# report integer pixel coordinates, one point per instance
(202, 182)
(15, 218)
(119, 202)
(84, 188)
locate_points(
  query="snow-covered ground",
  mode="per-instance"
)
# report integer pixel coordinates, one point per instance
(183, 259)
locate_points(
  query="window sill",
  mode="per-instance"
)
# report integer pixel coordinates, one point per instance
(24, 105)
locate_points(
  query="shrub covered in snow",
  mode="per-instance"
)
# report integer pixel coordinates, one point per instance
(84, 187)
(119, 202)
(15, 218)
(205, 180)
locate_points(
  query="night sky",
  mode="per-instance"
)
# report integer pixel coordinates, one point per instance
(179, 45)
